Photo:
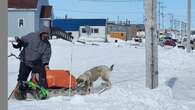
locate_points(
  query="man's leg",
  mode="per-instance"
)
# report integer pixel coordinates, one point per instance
(42, 74)
(24, 72)
(21, 88)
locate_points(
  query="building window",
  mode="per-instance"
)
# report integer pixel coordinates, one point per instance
(96, 30)
(20, 22)
(83, 30)
(121, 34)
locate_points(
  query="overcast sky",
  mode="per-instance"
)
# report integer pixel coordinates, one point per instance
(124, 9)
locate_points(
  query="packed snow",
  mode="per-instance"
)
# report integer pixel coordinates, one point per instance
(176, 90)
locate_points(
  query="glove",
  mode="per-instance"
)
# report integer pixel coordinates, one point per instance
(19, 44)
(46, 67)
(16, 46)
(17, 39)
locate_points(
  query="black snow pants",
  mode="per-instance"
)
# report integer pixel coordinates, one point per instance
(25, 70)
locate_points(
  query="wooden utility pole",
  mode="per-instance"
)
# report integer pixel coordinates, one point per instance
(189, 27)
(171, 20)
(3, 55)
(151, 43)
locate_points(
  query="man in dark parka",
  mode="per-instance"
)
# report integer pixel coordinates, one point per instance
(34, 58)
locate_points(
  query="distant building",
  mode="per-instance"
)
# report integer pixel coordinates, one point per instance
(119, 28)
(25, 16)
(141, 34)
(119, 35)
(140, 30)
(129, 30)
(83, 29)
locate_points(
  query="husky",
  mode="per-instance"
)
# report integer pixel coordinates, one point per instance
(85, 80)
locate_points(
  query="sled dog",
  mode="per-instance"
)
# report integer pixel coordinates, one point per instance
(85, 80)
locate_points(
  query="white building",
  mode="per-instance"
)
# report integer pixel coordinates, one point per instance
(84, 30)
(25, 16)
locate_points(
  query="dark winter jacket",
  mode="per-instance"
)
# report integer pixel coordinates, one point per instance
(35, 50)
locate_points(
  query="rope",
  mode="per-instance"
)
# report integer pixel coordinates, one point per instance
(71, 61)
(13, 56)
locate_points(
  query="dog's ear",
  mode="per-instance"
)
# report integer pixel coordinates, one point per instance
(79, 80)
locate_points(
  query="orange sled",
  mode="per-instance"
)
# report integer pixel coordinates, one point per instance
(60, 79)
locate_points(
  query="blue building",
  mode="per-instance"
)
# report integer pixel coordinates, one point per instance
(83, 29)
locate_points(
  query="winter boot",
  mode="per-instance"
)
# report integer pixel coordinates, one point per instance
(43, 93)
(38, 91)
(20, 91)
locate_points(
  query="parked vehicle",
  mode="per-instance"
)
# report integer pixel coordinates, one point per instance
(138, 40)
(183, 43)
(169, 42)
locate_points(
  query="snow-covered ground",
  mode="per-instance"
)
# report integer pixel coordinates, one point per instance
(176, 89)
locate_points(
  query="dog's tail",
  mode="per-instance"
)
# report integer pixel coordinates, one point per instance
(111, 67)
